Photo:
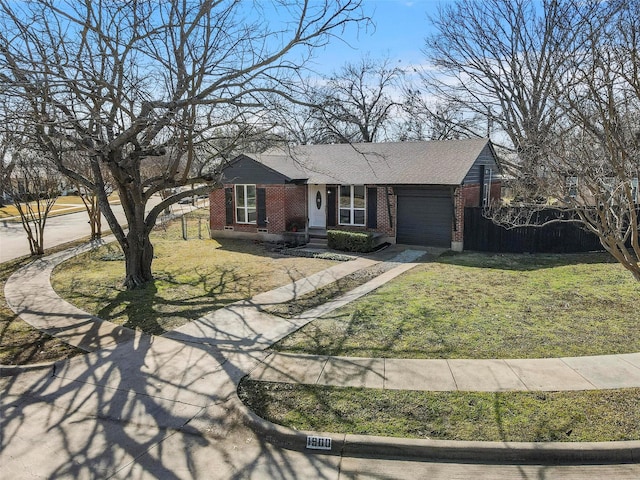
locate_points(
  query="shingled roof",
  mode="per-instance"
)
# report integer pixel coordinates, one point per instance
(394, 163)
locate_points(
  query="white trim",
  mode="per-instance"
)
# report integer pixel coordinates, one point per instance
(486, 199)
(351, 208)
(246, 208)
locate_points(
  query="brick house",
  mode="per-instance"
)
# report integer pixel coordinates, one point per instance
(405, 192)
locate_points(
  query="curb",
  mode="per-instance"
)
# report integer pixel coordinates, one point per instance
(349, 445)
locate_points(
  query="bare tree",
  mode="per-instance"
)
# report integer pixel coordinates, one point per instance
(79, 163)
(501, 60)
(561, 81)
(426, 119)
(301, 124)
(357, 103)
(125, 82)
(34, 186)
(597, 145)
(10, 138)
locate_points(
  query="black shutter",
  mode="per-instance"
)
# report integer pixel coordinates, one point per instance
(331, 206)
(228, 204)
(261, 207)
(372, 207)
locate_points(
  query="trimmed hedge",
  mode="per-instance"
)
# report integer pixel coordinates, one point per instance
(350, 241)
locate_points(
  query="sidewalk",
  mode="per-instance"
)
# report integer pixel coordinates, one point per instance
(186, 381)
(540, 374)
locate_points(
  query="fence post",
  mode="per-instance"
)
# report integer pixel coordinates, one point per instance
(184, 227)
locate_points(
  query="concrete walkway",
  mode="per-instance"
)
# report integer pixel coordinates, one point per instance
(133, 403)
(546, 374)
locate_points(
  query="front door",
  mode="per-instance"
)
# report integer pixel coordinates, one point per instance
(317, 206)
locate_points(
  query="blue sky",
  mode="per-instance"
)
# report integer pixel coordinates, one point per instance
(399, 32)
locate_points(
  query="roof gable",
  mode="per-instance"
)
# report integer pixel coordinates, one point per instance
(244, 169)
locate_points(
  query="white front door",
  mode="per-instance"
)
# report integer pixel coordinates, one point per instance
(317, 206)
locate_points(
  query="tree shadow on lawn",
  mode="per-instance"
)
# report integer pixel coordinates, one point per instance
(251, 247)
(523, 261)
(150, 310)
(358, 339)
(147, 310)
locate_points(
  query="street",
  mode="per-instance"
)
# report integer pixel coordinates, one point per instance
(59, 229)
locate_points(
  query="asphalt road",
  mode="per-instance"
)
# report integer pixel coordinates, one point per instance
(59, 229)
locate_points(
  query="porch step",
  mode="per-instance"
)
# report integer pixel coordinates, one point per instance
(317, 238)
(318, 243)
(317, 232)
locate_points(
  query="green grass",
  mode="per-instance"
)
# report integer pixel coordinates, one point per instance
(487, 306)
(192, 278)
(591, 416)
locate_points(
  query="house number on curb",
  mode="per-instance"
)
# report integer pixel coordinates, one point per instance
(318, 200)
(319, 443)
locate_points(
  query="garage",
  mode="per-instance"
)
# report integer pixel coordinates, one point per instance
(425, 217)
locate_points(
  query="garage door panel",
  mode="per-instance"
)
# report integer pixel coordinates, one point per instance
(424, 219)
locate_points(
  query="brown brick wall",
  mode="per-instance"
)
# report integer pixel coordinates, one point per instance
(275, 202)
(296, 205)
(384, 207)
(460, 197)
(469, 196)
(285, 204)
(217, 209)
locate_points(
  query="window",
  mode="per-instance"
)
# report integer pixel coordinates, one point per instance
(572, 186)
(246, 203)
(352, 205)
(486, 194)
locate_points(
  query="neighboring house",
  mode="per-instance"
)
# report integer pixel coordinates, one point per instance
(405, 192)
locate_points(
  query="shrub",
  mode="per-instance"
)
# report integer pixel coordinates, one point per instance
(350, 241)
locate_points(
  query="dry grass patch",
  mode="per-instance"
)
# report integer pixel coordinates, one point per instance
(192, 278)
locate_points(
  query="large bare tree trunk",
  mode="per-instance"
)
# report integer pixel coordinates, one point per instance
(139, 256)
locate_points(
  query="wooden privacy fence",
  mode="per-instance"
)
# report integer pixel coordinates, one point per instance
(481, 234)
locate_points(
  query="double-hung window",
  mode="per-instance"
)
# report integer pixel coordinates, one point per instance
(245, 203)
(352, 205)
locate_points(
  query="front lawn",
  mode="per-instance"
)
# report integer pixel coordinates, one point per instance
(590, 416)
(474, 305)
(192, 278)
